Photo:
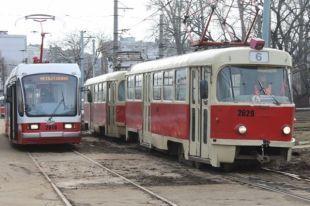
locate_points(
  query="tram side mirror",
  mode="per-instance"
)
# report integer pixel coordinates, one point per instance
(89, 97)
(203, 89)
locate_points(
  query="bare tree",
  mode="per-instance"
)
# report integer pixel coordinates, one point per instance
(290, 32)
(173, 10)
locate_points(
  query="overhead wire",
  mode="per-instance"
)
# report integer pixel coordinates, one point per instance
(147, 17)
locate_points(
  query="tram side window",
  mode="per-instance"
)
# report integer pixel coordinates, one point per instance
(104, 92)
(168, 85)
(138, 86)
(121, 91)
(96, 93)
(19, 99)
(180, 84)
(130, 87)
(157, 84)
(100, 93)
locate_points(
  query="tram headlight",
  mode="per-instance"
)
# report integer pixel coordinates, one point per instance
(286, 130)
(34, 126)
(242, 129)
(68, 126)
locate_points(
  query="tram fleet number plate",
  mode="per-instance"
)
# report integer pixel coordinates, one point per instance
(246, 113)
(50, 127)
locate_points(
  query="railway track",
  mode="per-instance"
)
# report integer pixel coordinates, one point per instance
(67, 201)
(294, 176)
(61, 196)
(271, 184)
(290, 185)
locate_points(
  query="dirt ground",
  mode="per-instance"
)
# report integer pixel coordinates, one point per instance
(300, 163)
(85, 184)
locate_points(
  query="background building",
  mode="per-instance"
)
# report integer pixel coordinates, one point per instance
(13, 51)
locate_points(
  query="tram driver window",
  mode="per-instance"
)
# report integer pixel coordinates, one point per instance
(180, 84)
(245, 84)
(20, 101)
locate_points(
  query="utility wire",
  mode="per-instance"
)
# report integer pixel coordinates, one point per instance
(146, 18)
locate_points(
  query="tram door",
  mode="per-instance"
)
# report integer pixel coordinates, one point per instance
(199, 112)
(146, 108)
(111, 100)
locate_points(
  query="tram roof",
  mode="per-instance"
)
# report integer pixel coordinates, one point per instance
(212, 56)
(27, 69)
(106, 77)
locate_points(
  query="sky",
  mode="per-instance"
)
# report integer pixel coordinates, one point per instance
(95, 16)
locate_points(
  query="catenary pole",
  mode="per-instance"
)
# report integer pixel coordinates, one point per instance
(266, 23)
(115, 34)
(94, 56)
(82, 57)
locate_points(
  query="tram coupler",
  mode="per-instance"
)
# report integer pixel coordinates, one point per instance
(263, 158)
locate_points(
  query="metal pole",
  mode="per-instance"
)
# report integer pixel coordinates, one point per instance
(82, 57)
(41, 47)
(115, 37)
(266, 23)
(161, 37)
(94, 56)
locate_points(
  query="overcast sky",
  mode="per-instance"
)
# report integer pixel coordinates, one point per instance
(72, 16)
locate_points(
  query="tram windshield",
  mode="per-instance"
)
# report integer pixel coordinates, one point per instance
(50, 94)
(254, 85)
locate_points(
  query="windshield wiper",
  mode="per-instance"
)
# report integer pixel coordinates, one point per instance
(63, 98)
(275, 101)
(59, 103)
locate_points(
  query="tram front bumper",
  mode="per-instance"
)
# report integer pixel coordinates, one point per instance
(232, 142)
(51, 134)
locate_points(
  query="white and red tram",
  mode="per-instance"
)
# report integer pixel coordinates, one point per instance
(215, 106)
(104, 110)
(43, 104)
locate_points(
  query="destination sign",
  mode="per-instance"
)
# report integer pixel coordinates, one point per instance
(54, 78)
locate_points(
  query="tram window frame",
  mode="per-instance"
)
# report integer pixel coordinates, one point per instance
(138, 87)
(157, 85)
(123, 97)
(96, 93)
(130, 87)
(100, 92)
(168, 79)
(20, 101)
(104, 86)
(181, 85)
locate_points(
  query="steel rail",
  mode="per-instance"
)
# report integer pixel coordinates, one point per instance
(297, 177)
(56, 189)
(127, 180)
(243, 180)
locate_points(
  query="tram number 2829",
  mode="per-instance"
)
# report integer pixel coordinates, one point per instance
(246, 113)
